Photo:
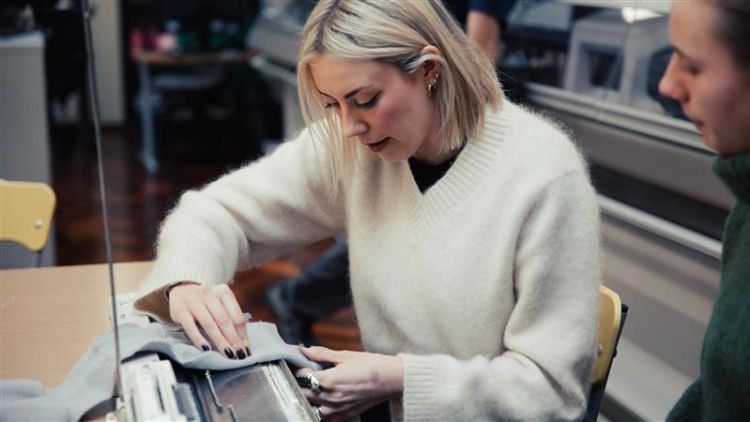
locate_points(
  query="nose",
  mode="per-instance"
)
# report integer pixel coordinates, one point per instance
(353, 123)
(671, 85)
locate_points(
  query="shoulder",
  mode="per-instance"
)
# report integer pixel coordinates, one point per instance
(305, 150)
(530, 139)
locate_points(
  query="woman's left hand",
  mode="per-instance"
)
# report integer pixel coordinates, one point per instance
(356, 382)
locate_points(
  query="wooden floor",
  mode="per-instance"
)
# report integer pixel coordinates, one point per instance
(137, 202)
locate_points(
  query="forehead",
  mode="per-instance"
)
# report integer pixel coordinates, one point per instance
(336, 77)
(693, 32)
(691, 26)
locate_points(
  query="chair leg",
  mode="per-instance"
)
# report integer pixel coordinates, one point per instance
(36, 259)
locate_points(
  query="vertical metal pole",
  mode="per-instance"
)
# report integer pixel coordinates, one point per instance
(94, 104)
(148, 146)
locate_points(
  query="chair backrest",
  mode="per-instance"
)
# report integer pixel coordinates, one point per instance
(612, 315)
(26, 210)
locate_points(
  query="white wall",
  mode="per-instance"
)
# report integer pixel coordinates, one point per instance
(105, 27)
(24, 150)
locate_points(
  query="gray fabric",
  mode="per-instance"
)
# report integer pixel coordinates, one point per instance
(20, 390)
(91, 381)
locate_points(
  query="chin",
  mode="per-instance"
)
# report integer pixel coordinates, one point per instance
(725, 147)
(391, 158)
(711, 144)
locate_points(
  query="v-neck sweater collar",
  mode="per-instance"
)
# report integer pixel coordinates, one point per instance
(471, 165)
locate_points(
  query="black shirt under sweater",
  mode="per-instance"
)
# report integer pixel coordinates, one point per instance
(427, 175)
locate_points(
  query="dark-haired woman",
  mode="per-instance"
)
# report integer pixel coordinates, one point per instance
(709, 74)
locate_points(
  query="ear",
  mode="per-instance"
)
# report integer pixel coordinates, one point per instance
(431, 67)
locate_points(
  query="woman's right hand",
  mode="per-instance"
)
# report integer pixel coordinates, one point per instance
(216, 311)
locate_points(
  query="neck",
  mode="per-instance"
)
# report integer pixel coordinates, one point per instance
(432, 151)
(438, 157)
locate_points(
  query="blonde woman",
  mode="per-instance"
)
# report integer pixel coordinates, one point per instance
(471, 222)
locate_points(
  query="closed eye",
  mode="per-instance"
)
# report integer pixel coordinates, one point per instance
(370, 103)
(689, 67)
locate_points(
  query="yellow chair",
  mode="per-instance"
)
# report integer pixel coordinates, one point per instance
(26, 210)
(612, 315)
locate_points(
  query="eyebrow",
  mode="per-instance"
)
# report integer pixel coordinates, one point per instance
(682, 53)
(350, 94)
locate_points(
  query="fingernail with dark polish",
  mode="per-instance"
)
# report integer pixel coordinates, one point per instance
(229, 353)
(205, 348)
(247, 349)
(241, 354)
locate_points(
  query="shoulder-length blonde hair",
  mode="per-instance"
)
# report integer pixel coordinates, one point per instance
(395, 32)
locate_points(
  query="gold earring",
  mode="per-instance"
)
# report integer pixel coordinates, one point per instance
(432, 86)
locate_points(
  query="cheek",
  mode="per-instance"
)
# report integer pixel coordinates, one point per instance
(709, 100)
(404, 116)
(719, 104)
(391, 115)
(726, 115)
(725, 96)
(732, 117)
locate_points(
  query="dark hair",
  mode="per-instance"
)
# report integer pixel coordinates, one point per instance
(733, 29)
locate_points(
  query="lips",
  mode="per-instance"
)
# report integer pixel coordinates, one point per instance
(698, 124)
(378, 146)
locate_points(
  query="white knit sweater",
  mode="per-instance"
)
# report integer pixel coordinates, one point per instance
(485, 285)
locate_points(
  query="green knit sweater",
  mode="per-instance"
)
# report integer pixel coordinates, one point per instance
(722, 393)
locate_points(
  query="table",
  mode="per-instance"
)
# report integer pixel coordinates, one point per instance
(147, 59)
(49, 316)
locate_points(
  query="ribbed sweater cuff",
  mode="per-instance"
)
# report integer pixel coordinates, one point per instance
(169, 271)
(151, 296)
(421, 381)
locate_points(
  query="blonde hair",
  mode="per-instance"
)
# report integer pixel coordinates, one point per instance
(395, 32)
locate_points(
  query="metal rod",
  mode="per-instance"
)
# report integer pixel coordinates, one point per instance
(213, 390)
(660, 227)
(233, 414)
(94, 105)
